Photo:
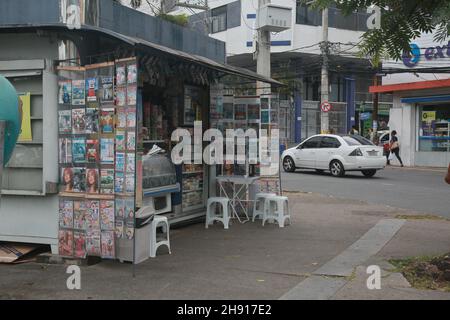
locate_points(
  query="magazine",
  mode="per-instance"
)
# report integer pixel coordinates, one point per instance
(107, 241)
(91, 89)
(107, 120)
(119, 229)
(65, 243)
(78, 121)
(79, 214)
(132, 74)
(66, 179)
(107, 151)
(131, 140)
(120, 208)
(65, 92)
(107, 181)
(78, 92)
(65, 150)
(107, 214)
(121, 96)
(79, 240)
(79, 180)
(120, 140)
(119, 182)
(107, 94)
(131, 95)
(121, 118)
(120, 161)
(131, 117)
(131, 158)
(129, 207)
(92, 181)
(93, 243)
(66, 213)
(92, 215)
(120, 75)
(79, 150)
(91, 120)
(65, 121)
(129, 231)
(92, 150)
(129, 183)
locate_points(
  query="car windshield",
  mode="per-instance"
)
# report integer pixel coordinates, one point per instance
(355, 140)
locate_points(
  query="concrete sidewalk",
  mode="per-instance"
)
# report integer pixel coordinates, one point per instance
(247, 261)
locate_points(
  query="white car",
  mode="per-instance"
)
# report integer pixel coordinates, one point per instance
(335, 153)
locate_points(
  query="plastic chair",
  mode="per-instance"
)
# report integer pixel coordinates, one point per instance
(277, 208)
(154, 243)
(259, 210)
(210, 214)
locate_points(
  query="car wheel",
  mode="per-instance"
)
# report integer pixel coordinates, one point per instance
(369, 173)
(319, 170)
(336, 168)
(288, 164)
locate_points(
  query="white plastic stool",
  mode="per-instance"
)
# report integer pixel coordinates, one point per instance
(154, 244)
(262, 204)
(210, 214)
(278, 213)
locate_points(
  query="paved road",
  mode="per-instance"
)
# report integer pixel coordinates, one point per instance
(422, 190)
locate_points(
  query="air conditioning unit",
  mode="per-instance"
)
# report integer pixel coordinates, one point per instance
(274, 18)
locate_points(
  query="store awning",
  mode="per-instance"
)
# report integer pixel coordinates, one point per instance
(419, 85)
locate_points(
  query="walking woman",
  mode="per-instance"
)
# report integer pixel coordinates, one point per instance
(395, 147)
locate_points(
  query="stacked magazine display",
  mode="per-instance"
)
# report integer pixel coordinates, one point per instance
(97, 157)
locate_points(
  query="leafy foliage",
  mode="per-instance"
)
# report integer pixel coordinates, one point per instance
(401, 22)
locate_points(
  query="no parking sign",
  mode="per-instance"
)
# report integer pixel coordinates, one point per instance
(325, 106)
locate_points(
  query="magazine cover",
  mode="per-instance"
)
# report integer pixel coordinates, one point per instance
(65, 243)
(131, 158)
(78, 92)
(107, 120)
(107, 94)
(92, 150)
(120, 75)
(91, 120)
(93, 243)
(131, 95)
(120, 140)
(120, 208)
(91, 89)
(119, 229)
(92, 215)
(120, 161)
(79, 240)
(107, 214)
(78, 121)
(66, 213)
(131, 140)
(107, 181)
(129, 231)
(65, 92)
(79, 180)
(65, 121)
(131, 117)
(66, 180)
(129, 207)
(79, 150)
(65, 150)
(129, 182)
(92, 181)
(79, 214)
(121, 96)
(107, 241)
(107, 151)
(119, 182)
(121, 118)
(132, 74)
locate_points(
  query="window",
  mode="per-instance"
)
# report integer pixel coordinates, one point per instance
(219, 19)
(308, 16)
(434, 128)
(357, 141)
(312, 143)
(330, 142)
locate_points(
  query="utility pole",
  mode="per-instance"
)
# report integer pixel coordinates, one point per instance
(324, 89)
(375, 110)
(263, 55)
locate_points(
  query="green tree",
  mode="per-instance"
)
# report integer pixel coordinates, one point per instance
(401, 22)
